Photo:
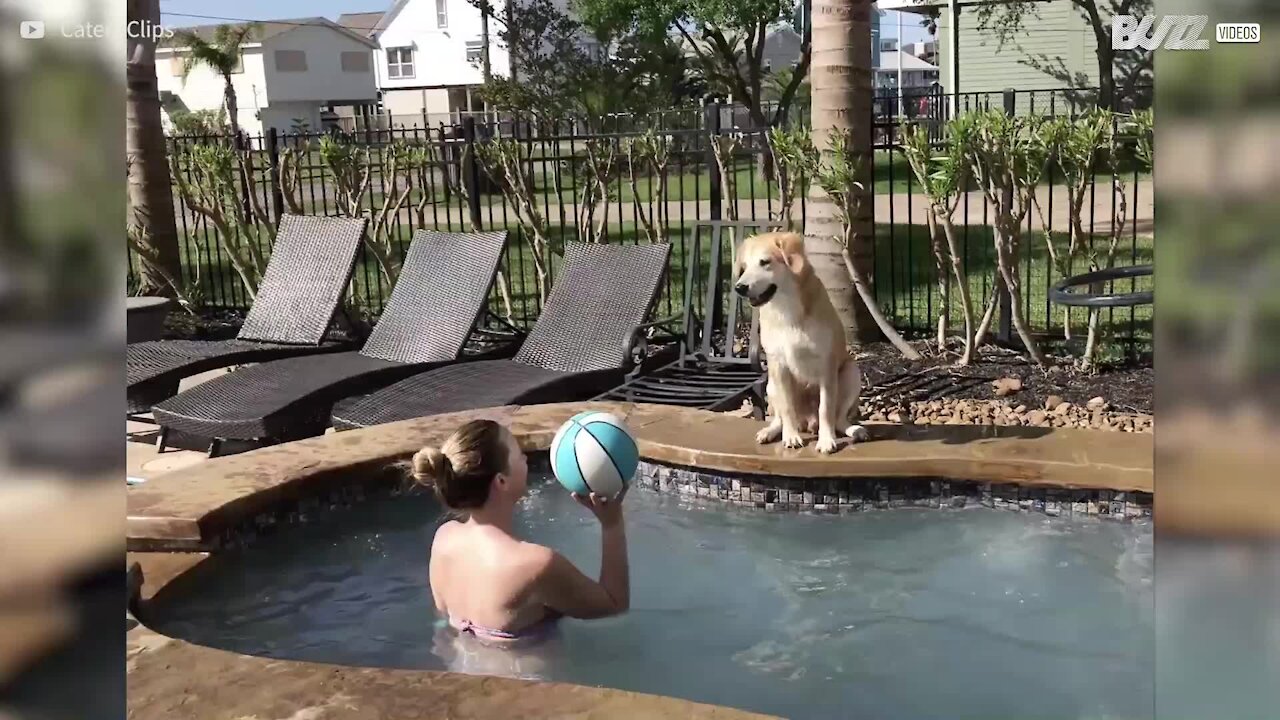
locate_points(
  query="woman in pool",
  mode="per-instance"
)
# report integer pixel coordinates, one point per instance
(486, 581)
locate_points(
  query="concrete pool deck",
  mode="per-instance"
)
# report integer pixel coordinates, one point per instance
(175, 517)
(189, 508)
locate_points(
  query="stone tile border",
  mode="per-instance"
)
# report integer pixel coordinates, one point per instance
(846, 495)
(198, 508)
(206, 506)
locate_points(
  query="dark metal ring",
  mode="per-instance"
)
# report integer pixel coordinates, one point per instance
(1060, 295)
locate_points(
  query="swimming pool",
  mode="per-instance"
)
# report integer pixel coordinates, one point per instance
(900, 613)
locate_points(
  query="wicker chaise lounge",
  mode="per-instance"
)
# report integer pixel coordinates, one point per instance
(309, 270)
(433, 311)
(581, 344)
(706, 376)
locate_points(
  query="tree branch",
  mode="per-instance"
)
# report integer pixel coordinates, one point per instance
(797, 78)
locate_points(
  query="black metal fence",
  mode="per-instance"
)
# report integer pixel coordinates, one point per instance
(694, 190)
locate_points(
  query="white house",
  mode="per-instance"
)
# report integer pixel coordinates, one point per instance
(291, 72)
(429, 57)
(915, 72)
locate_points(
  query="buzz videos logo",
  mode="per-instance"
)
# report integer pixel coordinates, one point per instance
(1176, 32)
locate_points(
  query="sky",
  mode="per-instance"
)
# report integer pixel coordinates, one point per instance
(178, 13)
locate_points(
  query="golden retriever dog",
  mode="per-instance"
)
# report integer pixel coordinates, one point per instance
(813, 382)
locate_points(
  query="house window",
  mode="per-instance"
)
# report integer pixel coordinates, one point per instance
(400, 62)
(593, 50)
(475, 51)
(291, 61)
(442, 13)
(355, 62)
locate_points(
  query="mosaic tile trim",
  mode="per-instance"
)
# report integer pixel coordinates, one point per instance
(858, 494)
(335, 497)
(394, 479)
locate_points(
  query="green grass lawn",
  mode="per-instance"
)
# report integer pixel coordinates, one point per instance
(688, 179)
(905, 278)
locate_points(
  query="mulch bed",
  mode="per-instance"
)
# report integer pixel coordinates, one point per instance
(1125, 388)
(209, 325)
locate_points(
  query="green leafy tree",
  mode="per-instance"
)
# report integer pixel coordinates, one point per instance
(350, 168)
(1007, 159)
(206, 123)
(207, 178)
(794, 152)
(505, 161)
(563, 68)
(650, 153)
(222, 56)
(727, 39)
(837, 173)
(942, 173)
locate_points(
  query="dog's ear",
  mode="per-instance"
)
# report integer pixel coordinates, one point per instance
(791, 246)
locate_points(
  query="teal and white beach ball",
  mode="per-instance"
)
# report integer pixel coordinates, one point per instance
(594, 452)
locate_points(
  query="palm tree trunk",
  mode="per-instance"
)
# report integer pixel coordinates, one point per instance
(841, 87)
(233, 109)
(150, 195)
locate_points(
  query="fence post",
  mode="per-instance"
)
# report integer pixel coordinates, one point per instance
(1005, 332)
(242, 147)
(711, 125)
(470, 170)
(277, 199)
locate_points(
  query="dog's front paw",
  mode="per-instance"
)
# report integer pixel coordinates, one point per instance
(794, 442)
(826, 446)
(857, 433)
(766, 435)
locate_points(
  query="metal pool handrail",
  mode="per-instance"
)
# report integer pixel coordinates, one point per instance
(1060, 295)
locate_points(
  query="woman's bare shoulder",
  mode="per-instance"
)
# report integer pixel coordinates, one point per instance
(536, 558)
(445, 533)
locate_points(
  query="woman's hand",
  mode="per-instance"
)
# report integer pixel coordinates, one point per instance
(608, 512)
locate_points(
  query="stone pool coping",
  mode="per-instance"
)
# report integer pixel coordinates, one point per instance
(184, 512)
(189, 509)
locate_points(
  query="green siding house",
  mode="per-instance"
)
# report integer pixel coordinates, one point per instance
(1056, 35)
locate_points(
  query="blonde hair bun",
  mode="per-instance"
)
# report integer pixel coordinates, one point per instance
(432, 467)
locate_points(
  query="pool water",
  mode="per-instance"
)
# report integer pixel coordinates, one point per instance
(908, 613)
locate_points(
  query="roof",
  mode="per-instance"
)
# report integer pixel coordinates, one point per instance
(363, 23)
(265, 30)
(889, 61)
(389, 15)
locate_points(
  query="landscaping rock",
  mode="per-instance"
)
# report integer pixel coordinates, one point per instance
(1000, 412)
(1052, 402)
(1007, 386)
(1098, 403)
